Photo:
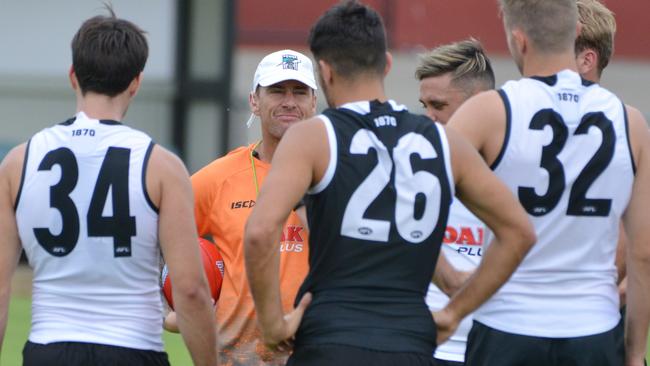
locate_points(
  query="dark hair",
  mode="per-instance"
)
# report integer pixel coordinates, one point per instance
(107, 54)
(350, 37)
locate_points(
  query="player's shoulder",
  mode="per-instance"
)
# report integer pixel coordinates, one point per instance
(636, 120)
(137, 133)
(124, 131)
(13, 162)
(595, 89)
(484, 102)
(163, 160)
(633, 112)
(11, 171)
(17, 152)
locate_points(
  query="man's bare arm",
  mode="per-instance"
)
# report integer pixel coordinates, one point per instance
(293, 170)
(10, 173)
(637, 228)
(493, 203)
(169, 186)
(447, 278)
(621, 267)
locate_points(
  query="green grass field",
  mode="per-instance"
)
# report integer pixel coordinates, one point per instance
(18, 329)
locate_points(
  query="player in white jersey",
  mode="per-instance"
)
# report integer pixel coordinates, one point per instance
(89, 199)
(448, 75)
(578, 163)
(594, 48)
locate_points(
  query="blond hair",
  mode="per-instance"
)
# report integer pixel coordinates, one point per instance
(465, 60)
(598, 30)
(549, 24)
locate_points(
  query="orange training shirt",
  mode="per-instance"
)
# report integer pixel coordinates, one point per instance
(224, 194)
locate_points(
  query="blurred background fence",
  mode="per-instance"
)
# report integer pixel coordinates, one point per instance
(203, 54)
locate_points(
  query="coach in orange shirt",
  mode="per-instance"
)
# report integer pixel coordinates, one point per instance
(225, 190)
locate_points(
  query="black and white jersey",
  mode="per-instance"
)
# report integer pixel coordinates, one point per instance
(567, 158)
(376, 221)
(90, 233)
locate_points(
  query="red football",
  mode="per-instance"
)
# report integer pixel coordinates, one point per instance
(213, 266)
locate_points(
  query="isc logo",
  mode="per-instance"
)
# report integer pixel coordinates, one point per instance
(383, 121)
(242, 204)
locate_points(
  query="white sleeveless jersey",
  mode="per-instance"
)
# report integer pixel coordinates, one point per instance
(567, 158)
(462, 245)
(90, 233)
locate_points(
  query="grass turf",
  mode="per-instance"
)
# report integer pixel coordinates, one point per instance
(18, 330)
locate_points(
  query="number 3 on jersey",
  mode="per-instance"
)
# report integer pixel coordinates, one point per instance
(113, 175)
(579, 204)
(408, 185)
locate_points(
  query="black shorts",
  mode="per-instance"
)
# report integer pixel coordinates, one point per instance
(439, 362)
(488, 346)
(339, 355)
(83, 354)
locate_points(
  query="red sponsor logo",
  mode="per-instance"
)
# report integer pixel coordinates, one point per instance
(291, 239)
(291, 233)
(463, 235)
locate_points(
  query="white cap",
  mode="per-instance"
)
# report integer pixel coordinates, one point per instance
(280, 66)
(284, 65)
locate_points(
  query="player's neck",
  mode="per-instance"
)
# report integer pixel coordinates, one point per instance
(592, 76)
(549, 64)
(99, 106)
(266, 149)
(358, 90)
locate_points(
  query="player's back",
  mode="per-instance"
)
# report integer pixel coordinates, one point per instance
(567, 157)
(90, 232)
(376, 223)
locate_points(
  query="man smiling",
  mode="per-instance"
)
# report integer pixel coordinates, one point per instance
(283, 93)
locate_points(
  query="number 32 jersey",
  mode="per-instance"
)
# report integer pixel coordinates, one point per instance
(567, 158)
(376, 222)
(90, 233)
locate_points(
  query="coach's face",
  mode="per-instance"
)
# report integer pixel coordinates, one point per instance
(440, 97)
(282, 104)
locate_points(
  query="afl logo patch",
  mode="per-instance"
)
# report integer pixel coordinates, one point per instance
(365, 231)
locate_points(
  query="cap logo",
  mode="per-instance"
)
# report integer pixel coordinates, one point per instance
(290, 62)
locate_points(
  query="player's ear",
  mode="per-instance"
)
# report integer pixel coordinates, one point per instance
(74, 83)
(313, 101)
(253, 103)
(325, 71)
(586, 60)
(134, 86)
(520, 40)
(389, 63)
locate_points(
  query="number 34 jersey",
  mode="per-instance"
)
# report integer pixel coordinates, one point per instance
(90, 233)
(376, 222)
(567, 158)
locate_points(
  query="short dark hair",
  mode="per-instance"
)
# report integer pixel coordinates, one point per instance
(350, 37)
(107, 54)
